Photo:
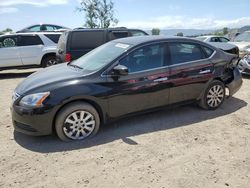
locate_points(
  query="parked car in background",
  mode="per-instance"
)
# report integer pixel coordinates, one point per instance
(73, 44)
(243, 42)
(226, 47)
(43, 28)
(212, 38)
(25, 50)
(120, 78)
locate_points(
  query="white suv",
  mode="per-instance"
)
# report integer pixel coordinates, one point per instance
(25, 50)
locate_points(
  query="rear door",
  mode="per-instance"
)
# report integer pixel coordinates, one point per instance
(9, 51)
(30, 49)
(190, 70)
(145, 86)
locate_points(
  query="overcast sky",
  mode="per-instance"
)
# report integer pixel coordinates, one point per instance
(144, 14)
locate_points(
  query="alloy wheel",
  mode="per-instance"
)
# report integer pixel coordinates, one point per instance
(51, 62)
(79, 125)
(215, 96)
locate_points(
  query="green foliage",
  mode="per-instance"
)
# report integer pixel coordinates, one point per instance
(155, 31)
(180, 34)
(98, 13)
(7, 30)
(225, 30)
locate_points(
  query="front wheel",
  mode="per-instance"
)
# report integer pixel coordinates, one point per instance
(213, 96)
(77, 121)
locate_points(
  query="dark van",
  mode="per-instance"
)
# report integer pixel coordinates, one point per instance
(75, 43)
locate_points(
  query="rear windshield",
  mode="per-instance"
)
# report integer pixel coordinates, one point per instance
(101, 56)
(86, 40)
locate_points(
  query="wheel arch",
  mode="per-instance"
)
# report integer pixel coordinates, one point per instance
(91, 102)
(47, 55)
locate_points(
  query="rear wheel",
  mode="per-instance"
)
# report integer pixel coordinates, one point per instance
(77, 121)
(49, 61)
(213, 96)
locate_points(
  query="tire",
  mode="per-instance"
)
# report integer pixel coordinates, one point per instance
(213, 96)
(77, 121)
(49, 61)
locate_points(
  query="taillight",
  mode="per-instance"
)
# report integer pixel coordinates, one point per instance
(67, 57)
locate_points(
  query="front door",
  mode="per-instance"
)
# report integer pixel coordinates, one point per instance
(145, 86)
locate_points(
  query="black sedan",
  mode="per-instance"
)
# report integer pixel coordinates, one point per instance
(121, 78)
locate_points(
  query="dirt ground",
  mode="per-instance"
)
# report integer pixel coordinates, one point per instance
(181, 147)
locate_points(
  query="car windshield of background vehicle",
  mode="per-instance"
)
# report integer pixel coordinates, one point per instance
(244, 37)
(101, 56)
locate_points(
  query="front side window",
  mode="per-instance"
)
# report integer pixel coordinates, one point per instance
(7, 42)
(215, 39)
(30, 40)
(145, 58)
(50, 28)
(185, 52)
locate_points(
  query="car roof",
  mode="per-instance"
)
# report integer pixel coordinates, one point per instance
(33, 33)
(207, 36)
(145, 39)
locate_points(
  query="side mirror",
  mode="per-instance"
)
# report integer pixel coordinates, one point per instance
(120, 70)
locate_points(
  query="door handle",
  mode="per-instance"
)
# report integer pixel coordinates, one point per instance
(161, 79)
(205, 71)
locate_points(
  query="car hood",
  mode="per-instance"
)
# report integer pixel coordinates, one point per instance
(241, 45)
(47, 76)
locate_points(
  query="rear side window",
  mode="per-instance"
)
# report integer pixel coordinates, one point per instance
(9, 41)
(62, 41)
(30, 41)
(54, 38)
(208, 51)
(86, 40)
(185, 52)
(118, 34)
(145, 58)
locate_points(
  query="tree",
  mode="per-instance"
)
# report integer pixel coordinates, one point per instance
(155, 31)
(180, 34)
(225, 30)
(7, 30)
(98, 13)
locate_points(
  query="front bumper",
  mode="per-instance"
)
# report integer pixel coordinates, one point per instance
(236, 82)
(244, 65)
(36, 122)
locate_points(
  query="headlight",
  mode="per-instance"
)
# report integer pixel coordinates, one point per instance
(34, 100)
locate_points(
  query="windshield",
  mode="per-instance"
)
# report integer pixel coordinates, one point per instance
(244, 37)
(101, 56)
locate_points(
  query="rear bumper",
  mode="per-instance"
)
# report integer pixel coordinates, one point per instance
(236, 83)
